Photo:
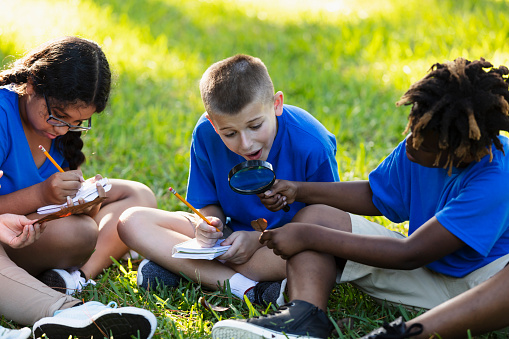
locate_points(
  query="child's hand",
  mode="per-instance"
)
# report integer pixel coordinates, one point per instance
(92, 211)
(282, 193)
(287, 240)
(207, 235)
(18, 231)
(59, 186)
(243, 245)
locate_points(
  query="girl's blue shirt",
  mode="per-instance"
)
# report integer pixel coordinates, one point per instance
(16, 158)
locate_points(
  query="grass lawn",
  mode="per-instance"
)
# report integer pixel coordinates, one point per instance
(346, 62)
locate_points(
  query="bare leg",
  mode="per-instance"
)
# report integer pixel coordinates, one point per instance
(312, 275)
(123, 195)
(481, 309)
(153, 233)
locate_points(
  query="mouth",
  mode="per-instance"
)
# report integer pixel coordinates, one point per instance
(409, 156)
(50, 136)
(254, 156)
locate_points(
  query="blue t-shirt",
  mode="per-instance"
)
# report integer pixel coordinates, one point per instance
(16, 158)
(472, 204)
(303, 150)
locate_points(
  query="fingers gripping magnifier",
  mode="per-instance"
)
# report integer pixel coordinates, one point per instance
(252, 177)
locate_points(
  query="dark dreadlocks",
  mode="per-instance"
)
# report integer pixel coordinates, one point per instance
(466, 102)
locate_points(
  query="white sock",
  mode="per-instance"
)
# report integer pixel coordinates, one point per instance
(239, 284)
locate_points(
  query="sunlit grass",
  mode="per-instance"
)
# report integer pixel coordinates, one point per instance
(346, 62)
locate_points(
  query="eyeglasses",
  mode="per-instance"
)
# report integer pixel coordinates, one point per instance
(60, 123)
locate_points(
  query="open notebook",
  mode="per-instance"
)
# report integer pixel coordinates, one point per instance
(191, 249)
(88, 192)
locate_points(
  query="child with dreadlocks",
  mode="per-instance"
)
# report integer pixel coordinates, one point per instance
(449, 178)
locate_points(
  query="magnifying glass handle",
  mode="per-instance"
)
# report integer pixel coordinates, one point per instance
(286, 208)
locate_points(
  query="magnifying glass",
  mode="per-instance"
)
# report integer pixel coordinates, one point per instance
(252, 177)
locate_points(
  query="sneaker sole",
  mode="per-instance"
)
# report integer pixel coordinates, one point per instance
(109, 323)
(234, 329)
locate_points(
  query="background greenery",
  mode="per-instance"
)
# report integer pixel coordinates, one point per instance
(346, 62)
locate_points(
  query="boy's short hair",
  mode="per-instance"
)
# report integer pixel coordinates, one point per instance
(231, 84)
(465, 102)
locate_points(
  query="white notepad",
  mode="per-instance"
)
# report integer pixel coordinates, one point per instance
(191, 249)
(88, 192)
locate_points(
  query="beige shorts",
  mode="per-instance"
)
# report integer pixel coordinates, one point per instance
(419, 288)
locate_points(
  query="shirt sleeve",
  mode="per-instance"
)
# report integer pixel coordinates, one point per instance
(326, 172)
(391, 195)
(479, 215)
(201, 189)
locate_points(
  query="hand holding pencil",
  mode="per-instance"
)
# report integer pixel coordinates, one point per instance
(61, 186)
(192, 208)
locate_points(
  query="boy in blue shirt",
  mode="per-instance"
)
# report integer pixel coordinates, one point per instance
(449, 178)
(245, 120)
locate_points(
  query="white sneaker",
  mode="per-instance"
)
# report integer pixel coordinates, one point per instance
(22, 333)
(95, 320)
(63, 281)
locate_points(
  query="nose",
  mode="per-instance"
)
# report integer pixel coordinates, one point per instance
(60, 130)
(245, 141)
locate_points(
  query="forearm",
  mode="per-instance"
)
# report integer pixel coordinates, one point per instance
(481, 309)
(350, 196)
(364, 249)
(24, 201)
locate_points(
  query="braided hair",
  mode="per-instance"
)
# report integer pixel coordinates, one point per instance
(68, 70)
(466, 103)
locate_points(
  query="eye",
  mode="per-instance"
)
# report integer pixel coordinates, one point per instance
(255, 127)
(230, 135)
(60, 116)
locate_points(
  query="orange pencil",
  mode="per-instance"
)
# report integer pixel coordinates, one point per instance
(191, 207)
(50, 158)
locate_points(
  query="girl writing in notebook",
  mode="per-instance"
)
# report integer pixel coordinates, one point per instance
(49, 98)
(55, 314)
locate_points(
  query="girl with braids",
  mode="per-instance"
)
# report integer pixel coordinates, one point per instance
(48, 98)
(26, 300)
(449, 178)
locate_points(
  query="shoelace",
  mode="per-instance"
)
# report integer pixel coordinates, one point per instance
(272, 313)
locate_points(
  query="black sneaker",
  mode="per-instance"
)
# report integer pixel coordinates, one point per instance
(297, 319)
(64, 281)
(395, 330)
(151, 275)
(267, 292)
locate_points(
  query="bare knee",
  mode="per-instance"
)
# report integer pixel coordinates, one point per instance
(129, 224)
(325, 216)
(137, 193)
(82, 239)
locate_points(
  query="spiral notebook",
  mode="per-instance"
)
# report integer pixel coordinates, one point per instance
(191, 249)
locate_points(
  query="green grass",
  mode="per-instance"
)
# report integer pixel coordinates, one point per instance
(346, 62)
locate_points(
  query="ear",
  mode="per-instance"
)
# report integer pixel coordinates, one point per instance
(210, 119)
(278, 103)
(30, 90)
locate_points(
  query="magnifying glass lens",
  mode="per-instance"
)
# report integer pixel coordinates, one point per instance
(252, 179)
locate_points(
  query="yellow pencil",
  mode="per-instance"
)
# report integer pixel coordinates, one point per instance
(191, 207)
(50, 158)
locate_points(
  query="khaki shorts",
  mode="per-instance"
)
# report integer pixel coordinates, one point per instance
(419, 288)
